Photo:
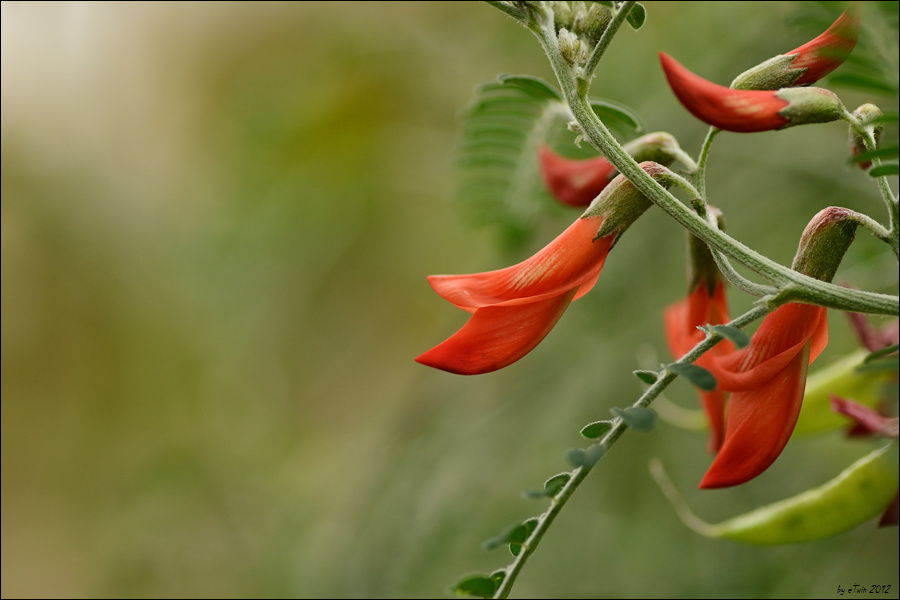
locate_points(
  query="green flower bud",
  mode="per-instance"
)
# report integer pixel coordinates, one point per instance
(824, 242)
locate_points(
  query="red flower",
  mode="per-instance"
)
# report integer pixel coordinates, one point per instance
(704, 306)
(824, 54)
(574, 182)
(766, 380)
(747, 111)
(513, 309)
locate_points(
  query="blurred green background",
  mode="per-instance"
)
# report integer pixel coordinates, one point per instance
(217, 220)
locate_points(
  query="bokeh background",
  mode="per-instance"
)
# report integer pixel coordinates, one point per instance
(217, 220)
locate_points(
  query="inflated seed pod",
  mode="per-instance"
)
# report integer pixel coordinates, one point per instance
(862, 491)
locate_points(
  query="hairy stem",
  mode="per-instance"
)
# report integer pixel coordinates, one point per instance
(803, 288)
(615, 432)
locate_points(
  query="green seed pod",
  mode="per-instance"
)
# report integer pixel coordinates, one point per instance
(862, 491)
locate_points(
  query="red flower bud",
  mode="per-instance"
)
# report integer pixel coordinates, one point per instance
(824, 54)
(747, 111)
(808, 63)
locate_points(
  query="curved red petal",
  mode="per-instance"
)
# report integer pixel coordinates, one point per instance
(741, 111)
(782, 335)
(759, 424)
(827, 52)
(681, 321)
(497, 336)
(573, 260)
(574, 182)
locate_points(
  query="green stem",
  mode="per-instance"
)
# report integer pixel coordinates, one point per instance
(597, 53)
(510, 8)
(867, 133)
(802, 287)
(700, 174)
(615, 432)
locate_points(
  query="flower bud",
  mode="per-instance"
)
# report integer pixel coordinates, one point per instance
(571, 48)
(865, 114)
(594, 21)
(824, 242)
(562, 15)
(808, 63)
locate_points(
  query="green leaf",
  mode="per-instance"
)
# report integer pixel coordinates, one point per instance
(478, 586)
(889, 116)
(699, 376)
(585, 458)
(501, 538)
(637, 417)
(499, 180)
(520, 534)
(637, 15)
(732, 334)
(618, 116)
(648, 377)
(553, 485)
(864, 83)
(534, 86)
(885, 152)
(594, 430)
(881, 353)
(885, 170)
(886, 364)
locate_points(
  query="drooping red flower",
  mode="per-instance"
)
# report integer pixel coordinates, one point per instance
(703, 306)
(516, 307)
(748, 111)
(513, 309)
(766, 380)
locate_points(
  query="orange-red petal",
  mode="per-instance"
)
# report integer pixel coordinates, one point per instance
(824, 54)
(681, 321)
(759, 424)
(774, 345)
(572, 261)
(742, 111)
(497, 336)
(574, 182)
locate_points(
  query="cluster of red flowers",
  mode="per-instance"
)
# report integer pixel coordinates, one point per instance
(762, 384)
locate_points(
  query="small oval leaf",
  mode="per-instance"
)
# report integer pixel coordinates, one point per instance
(732, 334)
(617, 115)
(699, 376)
(648, 377)
(637, 15)
(594, 430)
(638, 418)
(553, 485)
(478, 586)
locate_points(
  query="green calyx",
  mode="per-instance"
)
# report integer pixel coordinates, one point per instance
(621, 203)
(773, 74)
(808, 105)
(824, 242)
